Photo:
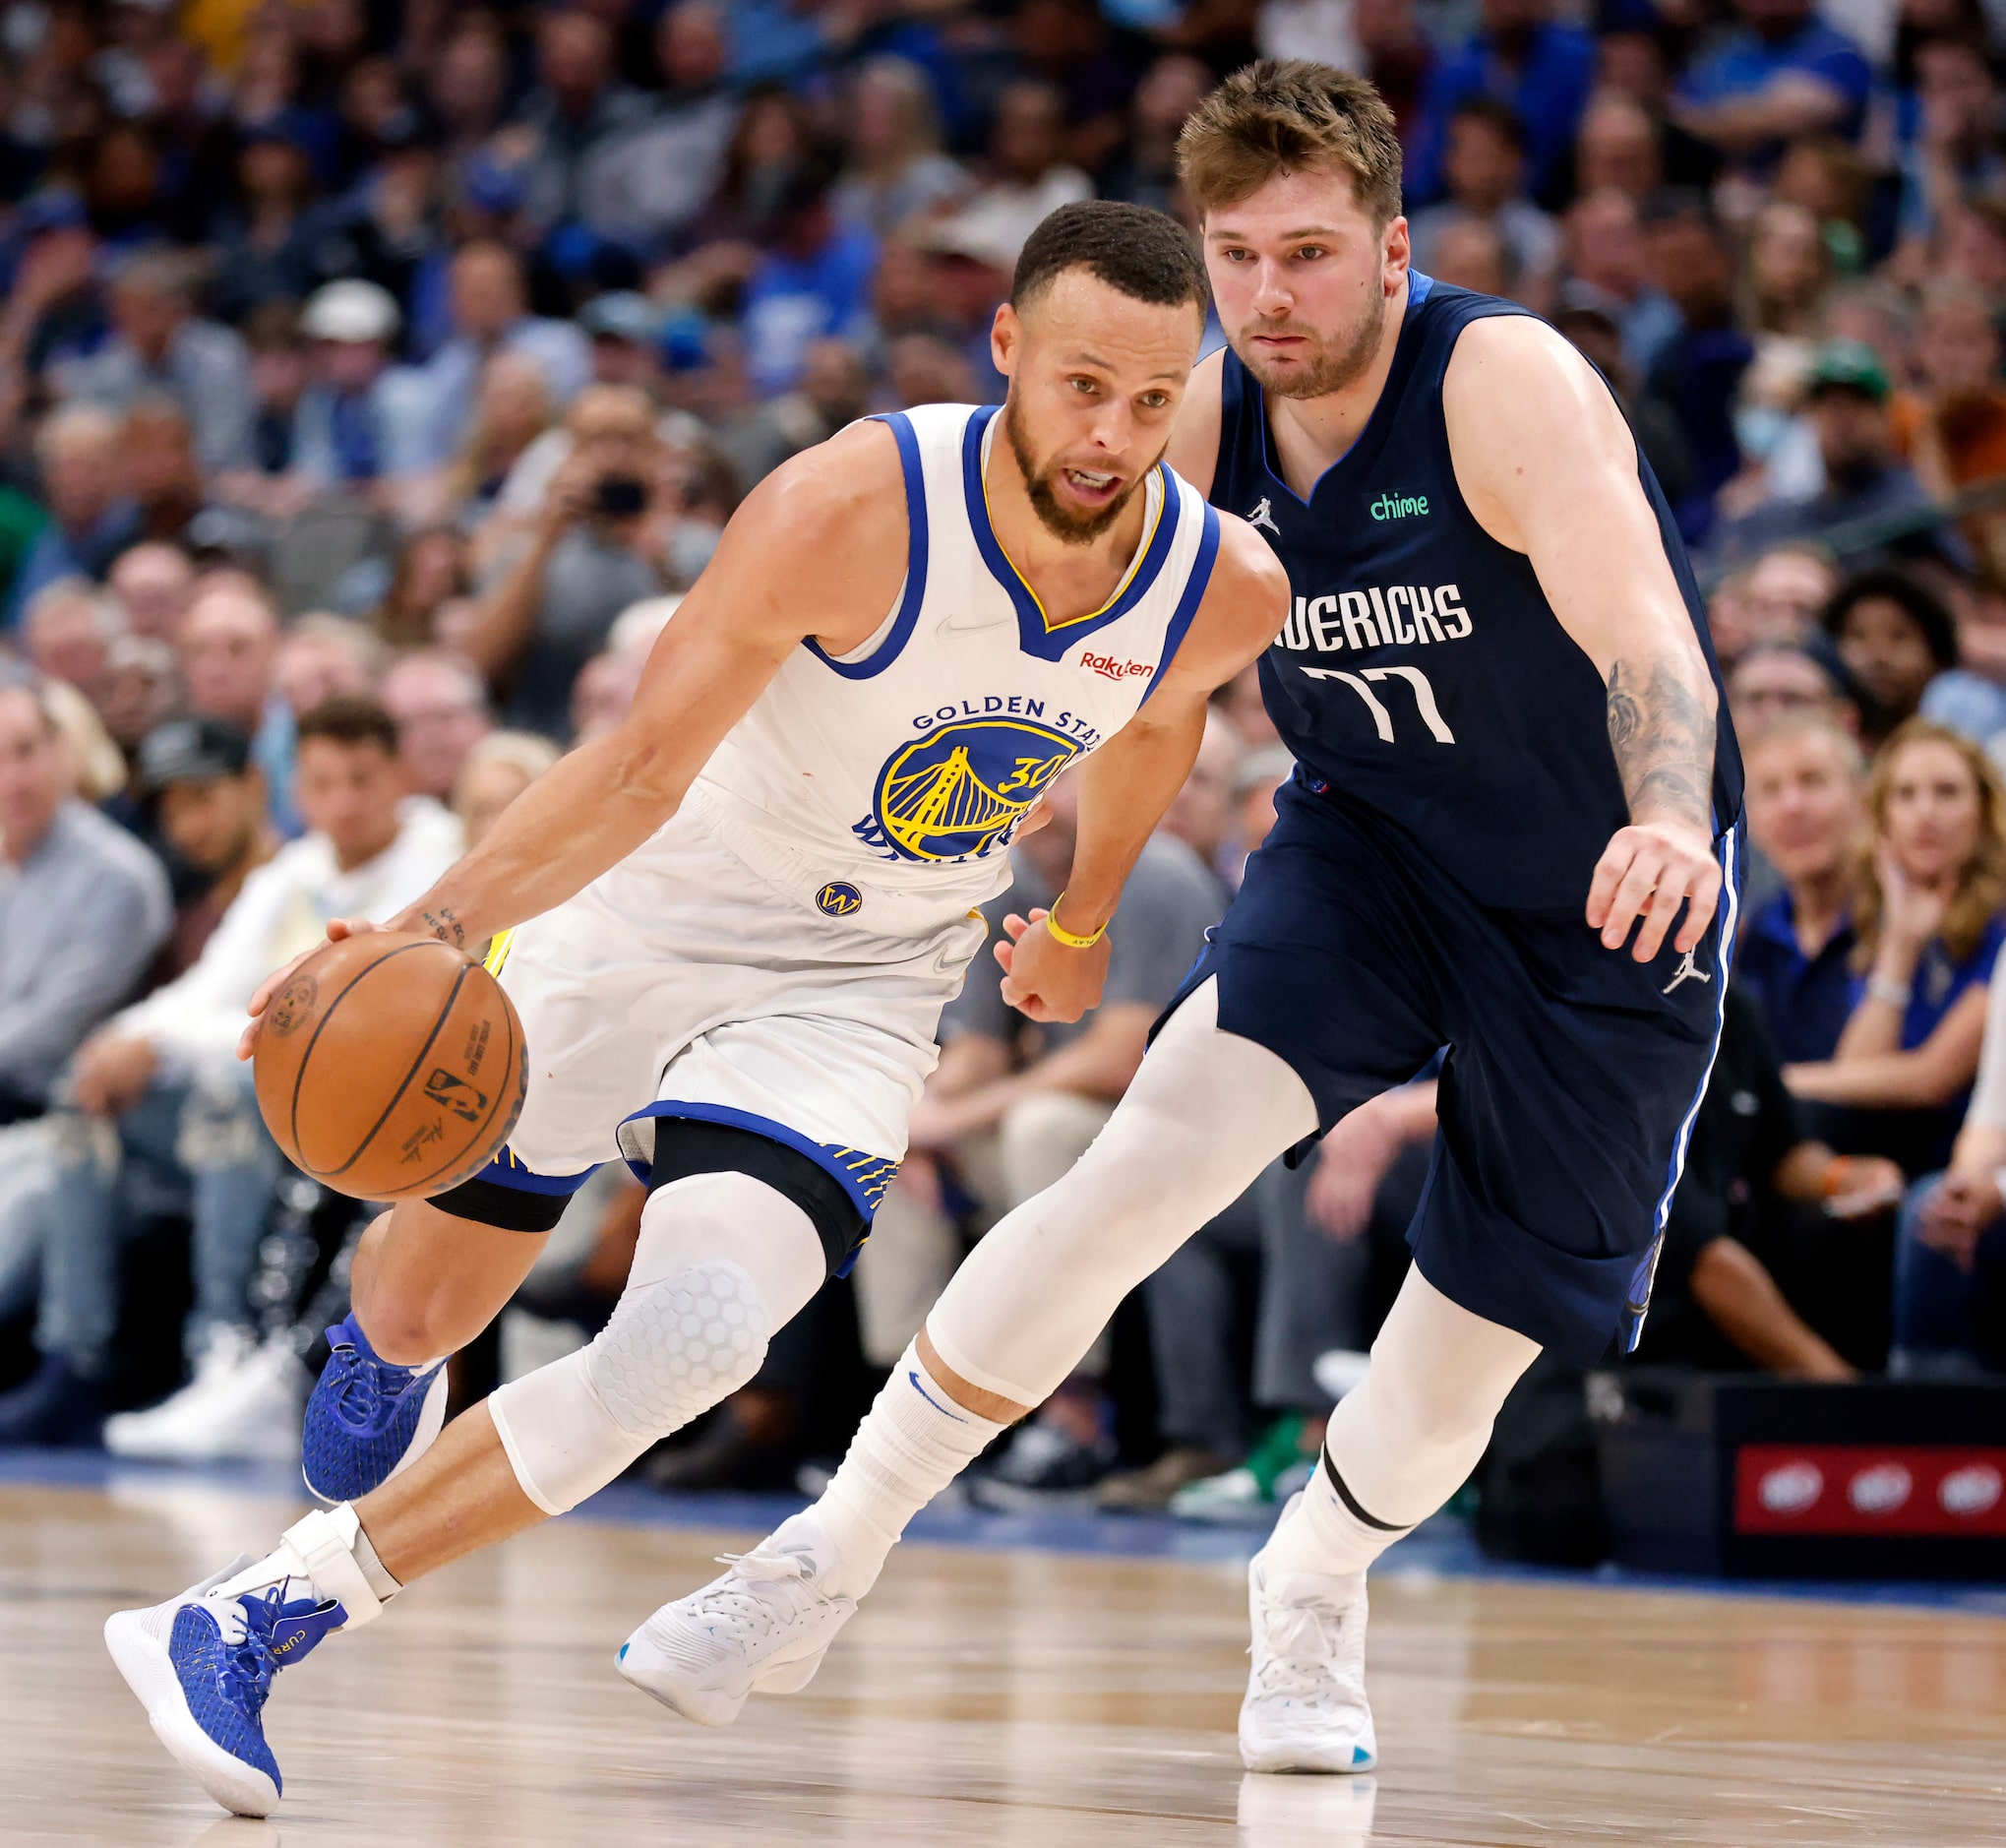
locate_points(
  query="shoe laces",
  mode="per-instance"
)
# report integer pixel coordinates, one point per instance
(365, 1390)
(1295, 1648)
(743, 1596)
(246, 1623)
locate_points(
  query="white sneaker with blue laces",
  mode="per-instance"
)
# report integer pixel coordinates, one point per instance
(763, 1627)
(1306, 1706)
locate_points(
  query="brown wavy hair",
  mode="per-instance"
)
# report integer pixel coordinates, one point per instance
(1980, 893)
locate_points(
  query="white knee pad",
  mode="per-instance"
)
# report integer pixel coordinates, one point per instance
(671, 1349)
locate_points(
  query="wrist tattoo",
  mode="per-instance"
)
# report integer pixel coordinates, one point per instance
(445, 925)
(1663, 737)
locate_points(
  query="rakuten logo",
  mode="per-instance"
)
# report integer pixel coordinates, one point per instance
(1109, 668)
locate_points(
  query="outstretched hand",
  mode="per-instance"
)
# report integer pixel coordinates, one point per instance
(337, 929)
(1648, 871)
(1045, 979)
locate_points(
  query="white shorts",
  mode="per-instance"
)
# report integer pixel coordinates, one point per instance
(685, 983)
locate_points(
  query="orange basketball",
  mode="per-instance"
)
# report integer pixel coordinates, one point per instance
(391, 1067)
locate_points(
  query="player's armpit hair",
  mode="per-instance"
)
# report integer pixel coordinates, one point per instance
(1662, 732)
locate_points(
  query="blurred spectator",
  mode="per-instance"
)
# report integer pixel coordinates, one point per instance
(358, 420)
(1950, 1252)
(1609, 266)
(1782, 73)
(814, 280)
(1714, 1300)
(1594, 333)
(153, 583)
(595, 549)
(1894, 638)
(159, 345)
(165, 1108)
(1955, 435)
(1620, 150)
(440, 708)
(1484, 175)
(1787, 591)
(1955, 153)
(1806, 817)
(1538, 67)
(576, 107)
(1470, 253)
(1026, 177)
(1772, 680)
(139, 689)
(209, 811)
(228, 646)
(513, 410)
(641, 188)
(1928, 916)
(897, 168)
(270, 253)
(1865, 479)
(91, 523)
(1787, 274)
(1145, 170)
(493, 774)
(431, 570)
(323, 657)
(490, 314)
(68, 631)
(834, 391)
(82, 907)
(626, 328)
(1699, 372)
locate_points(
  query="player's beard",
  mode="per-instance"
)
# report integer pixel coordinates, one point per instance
(1330, 368)
(1061, 522)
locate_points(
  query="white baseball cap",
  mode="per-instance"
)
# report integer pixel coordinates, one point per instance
(350, 311)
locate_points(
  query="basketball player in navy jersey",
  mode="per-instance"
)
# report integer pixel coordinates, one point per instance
(1511, 834)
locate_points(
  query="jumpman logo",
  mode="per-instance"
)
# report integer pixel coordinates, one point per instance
(1263, 516)
(1687, 971)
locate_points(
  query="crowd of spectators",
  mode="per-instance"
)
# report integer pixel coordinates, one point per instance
(373, 378)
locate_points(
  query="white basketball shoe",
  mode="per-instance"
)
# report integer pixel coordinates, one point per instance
(763, 1627)
(1306, 1706)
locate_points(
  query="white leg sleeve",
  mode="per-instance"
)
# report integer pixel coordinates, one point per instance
(1406, 1439)
(723, 1260)
(1207, 1112)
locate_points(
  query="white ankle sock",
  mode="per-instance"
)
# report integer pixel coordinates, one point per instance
(1320, 1535)
(330, 1554)
(913, 1442)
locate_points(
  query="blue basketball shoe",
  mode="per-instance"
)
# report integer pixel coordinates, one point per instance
(202, 1666)
(367, 1418)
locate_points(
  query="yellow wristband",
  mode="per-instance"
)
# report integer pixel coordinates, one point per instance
(1065, 937)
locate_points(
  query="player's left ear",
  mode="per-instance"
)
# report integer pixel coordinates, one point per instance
(1396, 253)
(1005, 337)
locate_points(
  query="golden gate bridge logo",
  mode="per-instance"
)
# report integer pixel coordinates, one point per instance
(951, 794)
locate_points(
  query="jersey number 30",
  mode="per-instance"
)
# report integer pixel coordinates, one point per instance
(1382, 720)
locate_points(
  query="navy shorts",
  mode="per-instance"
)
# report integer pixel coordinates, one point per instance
(1571, 1075)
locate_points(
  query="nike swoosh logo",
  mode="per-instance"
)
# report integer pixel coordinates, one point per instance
(913, 1375)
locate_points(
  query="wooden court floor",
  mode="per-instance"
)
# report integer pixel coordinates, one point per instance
(999, 1699)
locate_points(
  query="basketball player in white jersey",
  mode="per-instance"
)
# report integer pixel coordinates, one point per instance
(730, 927)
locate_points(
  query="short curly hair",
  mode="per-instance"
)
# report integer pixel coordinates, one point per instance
(1142, 253)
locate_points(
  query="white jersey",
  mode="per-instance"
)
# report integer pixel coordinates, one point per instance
(900, 770)
(776, 956)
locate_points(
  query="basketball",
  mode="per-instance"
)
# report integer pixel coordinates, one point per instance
(391, 1067)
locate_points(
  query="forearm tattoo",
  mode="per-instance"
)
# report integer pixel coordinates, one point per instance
(445, 925)
(1663, 736)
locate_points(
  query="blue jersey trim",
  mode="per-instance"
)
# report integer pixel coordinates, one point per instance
(1419, 287)
(507, 1170)
(862, 1177)
(1725, 925)
(887, 650)
(1194, 594)
(1037, 634)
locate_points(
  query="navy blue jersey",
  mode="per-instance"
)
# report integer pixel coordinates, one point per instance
(1422, 675)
